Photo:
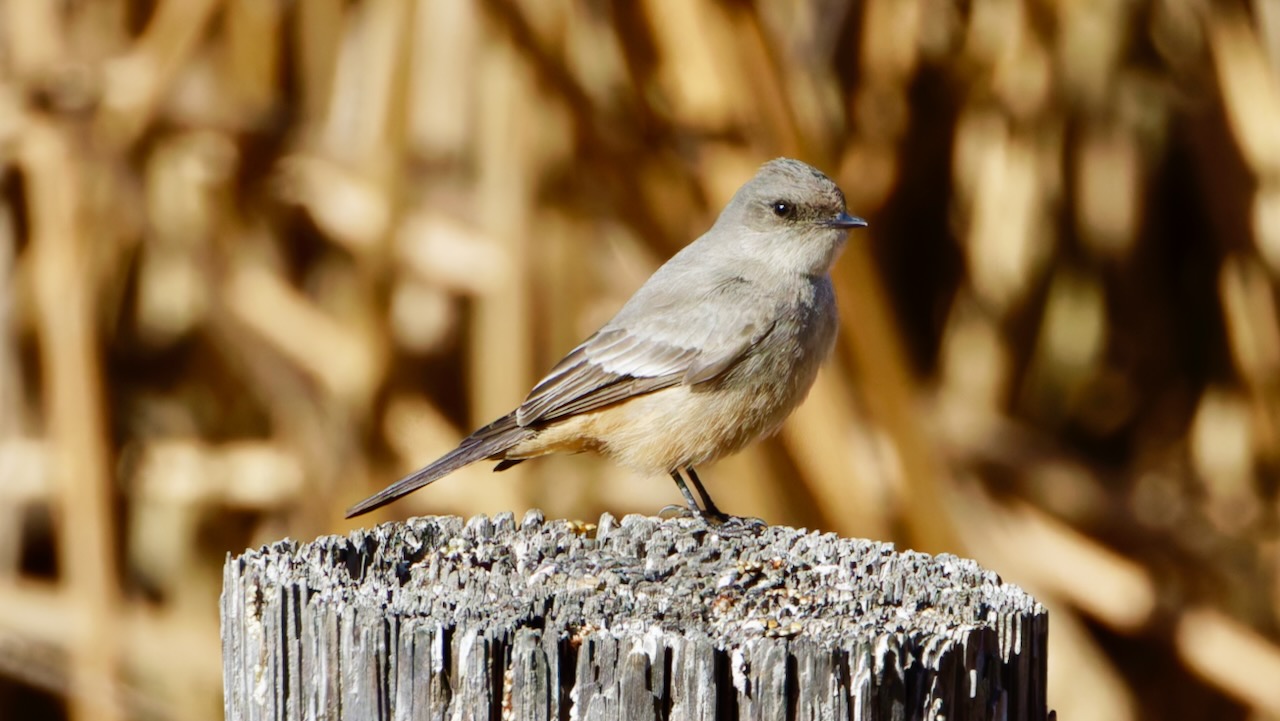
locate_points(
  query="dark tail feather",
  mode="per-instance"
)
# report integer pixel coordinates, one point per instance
(484, 443)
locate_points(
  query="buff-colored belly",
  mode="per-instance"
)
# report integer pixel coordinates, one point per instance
(673, 428)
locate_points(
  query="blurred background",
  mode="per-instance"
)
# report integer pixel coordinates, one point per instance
(259, 258)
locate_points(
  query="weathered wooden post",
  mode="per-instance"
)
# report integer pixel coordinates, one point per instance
(644, 619)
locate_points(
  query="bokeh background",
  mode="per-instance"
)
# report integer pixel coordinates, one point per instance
(259, 258)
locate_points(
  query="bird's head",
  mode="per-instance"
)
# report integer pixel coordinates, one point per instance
(790, 215)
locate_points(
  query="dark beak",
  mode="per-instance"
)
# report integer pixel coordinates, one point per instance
(844, 220)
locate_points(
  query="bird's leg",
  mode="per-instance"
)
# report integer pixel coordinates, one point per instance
(723, 523)
(688, 497)
(708, 505)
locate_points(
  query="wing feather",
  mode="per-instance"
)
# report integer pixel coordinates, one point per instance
(687, 329)
(615, 365)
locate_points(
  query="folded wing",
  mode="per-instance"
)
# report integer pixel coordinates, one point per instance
(618, 363)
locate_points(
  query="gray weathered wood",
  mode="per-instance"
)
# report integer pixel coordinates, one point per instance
(647, 619)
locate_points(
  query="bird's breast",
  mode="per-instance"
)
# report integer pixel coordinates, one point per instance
(688, 425)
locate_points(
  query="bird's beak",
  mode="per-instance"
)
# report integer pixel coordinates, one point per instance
(844, 220)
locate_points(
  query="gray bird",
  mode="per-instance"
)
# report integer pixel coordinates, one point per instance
(714, 351)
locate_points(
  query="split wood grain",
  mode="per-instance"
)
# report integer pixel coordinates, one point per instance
(642, 619)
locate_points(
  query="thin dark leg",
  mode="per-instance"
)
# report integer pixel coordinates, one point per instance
(688, 497)
(707, 503)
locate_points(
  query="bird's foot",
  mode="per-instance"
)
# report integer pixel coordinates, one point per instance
(677, 511)
(718, 521)
(734, 526)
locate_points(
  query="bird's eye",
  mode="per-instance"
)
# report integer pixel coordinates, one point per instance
(782, 208)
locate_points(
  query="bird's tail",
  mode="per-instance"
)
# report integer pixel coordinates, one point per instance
(487, 442)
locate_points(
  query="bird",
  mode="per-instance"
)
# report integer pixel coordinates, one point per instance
(713, 351)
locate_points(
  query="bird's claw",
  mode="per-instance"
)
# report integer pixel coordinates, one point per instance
(735, 526)
(718, 521)
(675, 510)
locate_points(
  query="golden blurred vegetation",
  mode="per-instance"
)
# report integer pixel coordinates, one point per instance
(259, 258)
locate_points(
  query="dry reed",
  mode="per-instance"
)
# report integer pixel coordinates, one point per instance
(260, 258)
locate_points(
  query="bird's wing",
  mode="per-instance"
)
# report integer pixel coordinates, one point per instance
(618, 363)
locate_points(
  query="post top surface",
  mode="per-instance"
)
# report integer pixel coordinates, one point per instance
(672, 576)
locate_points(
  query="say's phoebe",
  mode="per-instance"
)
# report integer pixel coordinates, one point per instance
(715, 349)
